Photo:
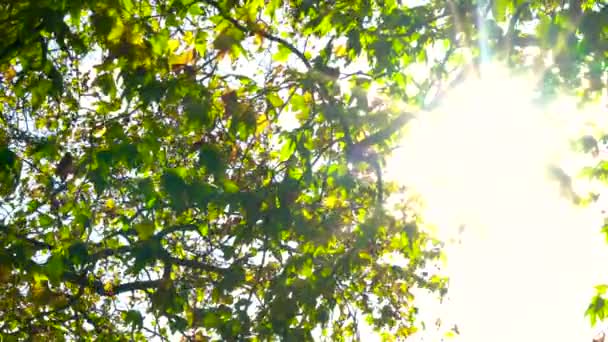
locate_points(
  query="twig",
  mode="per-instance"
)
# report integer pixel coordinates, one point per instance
(260, 32)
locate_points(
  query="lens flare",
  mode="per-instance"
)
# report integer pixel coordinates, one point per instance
(528, 258)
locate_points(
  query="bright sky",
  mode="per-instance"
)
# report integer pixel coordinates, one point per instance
(528, 259)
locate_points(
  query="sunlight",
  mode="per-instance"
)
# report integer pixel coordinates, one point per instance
(529, 259)
(470, 157)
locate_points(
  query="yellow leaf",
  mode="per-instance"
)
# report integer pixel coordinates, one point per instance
(340, 51)
(9, 73)
(108, 287)
(331, 201)
(307, 214)
(365, 255)
(98, 133)
(189, 38)
(173, 44)
(262, 123)
(110, 204)
(259, 40)
(181, 60)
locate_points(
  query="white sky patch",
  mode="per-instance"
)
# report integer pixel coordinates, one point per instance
(529, 259)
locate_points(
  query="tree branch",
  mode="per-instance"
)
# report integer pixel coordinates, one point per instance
(166, 257)
(100, 288)
(261, 32)
(37, 244)
(385, 133)
(510, 35)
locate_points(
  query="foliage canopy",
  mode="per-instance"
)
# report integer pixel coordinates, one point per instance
(213, 168)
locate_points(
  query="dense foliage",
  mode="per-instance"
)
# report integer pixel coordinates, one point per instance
(212, 169)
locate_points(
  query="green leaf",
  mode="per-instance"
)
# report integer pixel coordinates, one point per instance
(274, 100)
(228, 39)
(230, 186)
(353, 42)
(78, 253)
(134, 318)
(500, 8)
(105, 82)
(176, 187)
(198, 114)
(211, 320)
(300, 105)
(40, 91)
(54, 267)
(232, 278)
(211, 159)
(307, 269)
(287, 149)
(116, 31)
(282, 55)
(10, 171)
(195, 10)
(127, 5)
(160, 43)
(45, 220)
(145, 253)
(145, 229)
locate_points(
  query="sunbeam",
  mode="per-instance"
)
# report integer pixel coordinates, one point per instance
(529, 258)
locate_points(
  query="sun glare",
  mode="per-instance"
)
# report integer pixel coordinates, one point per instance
(528, 259)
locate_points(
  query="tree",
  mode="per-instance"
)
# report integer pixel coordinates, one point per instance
(214, 169)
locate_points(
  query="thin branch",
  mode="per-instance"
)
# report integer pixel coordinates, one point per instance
(37, 244)
(510, 35)
(413, 28)
(384, 134)
(100, 288)
(260, 32)
(191, 263)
